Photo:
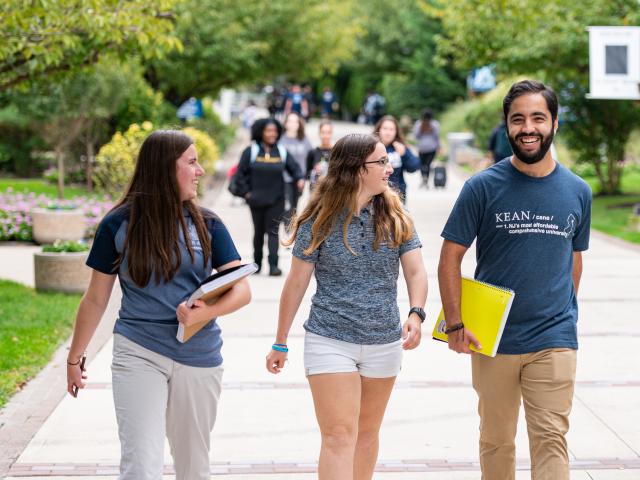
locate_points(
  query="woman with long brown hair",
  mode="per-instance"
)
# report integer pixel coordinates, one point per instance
(400, 155)
(354, 234)
(160, 245)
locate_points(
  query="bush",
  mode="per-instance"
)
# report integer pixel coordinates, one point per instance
(116, 160)
(66, 247)
(208, 152)
(211, 124)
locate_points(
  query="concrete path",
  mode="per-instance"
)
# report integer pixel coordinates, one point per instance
(267, 429)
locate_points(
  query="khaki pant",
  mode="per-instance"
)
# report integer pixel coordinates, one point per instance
(155, 396)
(545, 382)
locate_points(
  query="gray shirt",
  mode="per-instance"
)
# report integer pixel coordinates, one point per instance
(357, 299)
(299, 149)
(427, 142)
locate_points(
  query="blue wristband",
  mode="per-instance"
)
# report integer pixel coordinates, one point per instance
(279, 348)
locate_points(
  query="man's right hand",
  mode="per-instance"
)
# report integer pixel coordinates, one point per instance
(460, 340)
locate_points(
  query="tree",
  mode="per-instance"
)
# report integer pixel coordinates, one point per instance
(395, 56)
(549, 40)
(43, 37)
(231, 42)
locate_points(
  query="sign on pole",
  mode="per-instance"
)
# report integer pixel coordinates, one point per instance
(614, 63)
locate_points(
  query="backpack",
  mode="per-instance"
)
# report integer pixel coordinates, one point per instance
(502, 146)
(234, 186)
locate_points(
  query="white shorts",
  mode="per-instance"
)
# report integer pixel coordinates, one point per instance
(326, 355)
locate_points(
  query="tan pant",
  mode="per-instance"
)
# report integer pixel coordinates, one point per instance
(155, 396)
(545, 382)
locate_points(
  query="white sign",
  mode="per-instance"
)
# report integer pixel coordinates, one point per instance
(614, 63)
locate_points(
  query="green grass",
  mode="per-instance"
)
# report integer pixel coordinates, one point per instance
(39, 186)
(32, 326)
(611, 215)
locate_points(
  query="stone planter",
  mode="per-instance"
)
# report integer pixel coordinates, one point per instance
(61, 272)
(51, 225)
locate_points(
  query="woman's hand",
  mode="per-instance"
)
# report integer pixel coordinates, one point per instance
(300, 185)
(75, 378)
(275, 361)
(411, 332)
(192, 315)
(400, 148)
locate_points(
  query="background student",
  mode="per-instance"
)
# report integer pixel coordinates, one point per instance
(400, 156)
(426, 131)
(260, 180)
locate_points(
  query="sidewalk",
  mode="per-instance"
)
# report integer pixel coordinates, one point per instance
(266, 427)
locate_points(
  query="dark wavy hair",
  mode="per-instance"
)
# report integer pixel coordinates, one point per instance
(257, 129)
(527, 87)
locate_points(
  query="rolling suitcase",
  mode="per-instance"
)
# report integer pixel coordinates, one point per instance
(439, 177)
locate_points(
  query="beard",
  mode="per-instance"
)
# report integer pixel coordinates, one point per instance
(531, 158)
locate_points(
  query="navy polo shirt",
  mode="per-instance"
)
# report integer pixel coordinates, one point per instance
(147, 314)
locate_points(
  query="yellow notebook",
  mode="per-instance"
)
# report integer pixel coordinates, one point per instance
(484, 309)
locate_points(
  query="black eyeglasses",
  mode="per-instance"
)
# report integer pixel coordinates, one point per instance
(383, 162)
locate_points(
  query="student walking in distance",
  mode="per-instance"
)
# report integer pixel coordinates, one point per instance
(318, 158)
(160, 245)
(530, 218)
(260, 180)
(297, 144)
(353, 234)
(400, 156)
(427, 134)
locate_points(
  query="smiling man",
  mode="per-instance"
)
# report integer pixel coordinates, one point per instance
(530, 217)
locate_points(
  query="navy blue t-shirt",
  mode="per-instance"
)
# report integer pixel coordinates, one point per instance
(407, 162)
(147, 314)
(526, 230)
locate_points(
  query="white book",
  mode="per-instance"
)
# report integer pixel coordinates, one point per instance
(209, 290)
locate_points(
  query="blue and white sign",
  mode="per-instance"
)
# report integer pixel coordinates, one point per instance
(192, 108)
(614, 63)
(482, 79)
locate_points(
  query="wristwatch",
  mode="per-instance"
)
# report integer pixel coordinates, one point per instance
(418, 311)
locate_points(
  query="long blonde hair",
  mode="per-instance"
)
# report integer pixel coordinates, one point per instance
(338, 191)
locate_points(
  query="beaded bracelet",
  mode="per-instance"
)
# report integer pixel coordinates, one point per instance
(280, 347)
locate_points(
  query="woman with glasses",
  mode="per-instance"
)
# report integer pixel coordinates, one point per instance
(353, 234)
(401, 157)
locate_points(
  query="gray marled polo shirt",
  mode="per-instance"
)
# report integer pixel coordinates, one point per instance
(357, 296)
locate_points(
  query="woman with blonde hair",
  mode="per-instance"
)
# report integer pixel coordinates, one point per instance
(354, 234)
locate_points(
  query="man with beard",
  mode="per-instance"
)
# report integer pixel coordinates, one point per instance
(530, 218)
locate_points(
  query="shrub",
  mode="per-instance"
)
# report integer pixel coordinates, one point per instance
(65, 247)
(208, 152)
(116, 160)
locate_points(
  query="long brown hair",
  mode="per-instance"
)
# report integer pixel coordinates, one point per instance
(338, 191)
(156, 217)
(300, 133)
(389, 118)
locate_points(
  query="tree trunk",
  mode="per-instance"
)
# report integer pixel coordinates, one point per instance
(60, 157)
(89, 168)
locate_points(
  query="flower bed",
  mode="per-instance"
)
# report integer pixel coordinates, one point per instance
(15, 212)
